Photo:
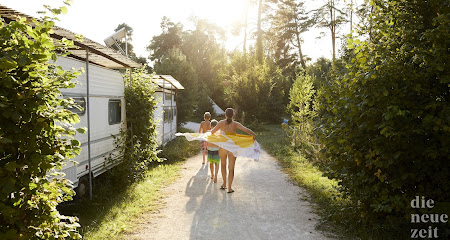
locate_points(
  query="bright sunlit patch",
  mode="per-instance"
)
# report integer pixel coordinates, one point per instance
(220, 12)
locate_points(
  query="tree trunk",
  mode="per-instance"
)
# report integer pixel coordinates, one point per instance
(351, 16)
(300, 53)
(245, 27)
(333, 28)
(259, 50)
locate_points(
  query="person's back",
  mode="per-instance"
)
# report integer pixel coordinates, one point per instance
(229, 126)
(205, 126)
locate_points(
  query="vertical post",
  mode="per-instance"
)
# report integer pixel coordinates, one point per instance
(171, 109)
(130, 84)
(163, 104)
(176, 108)
(88, 123)
(126, 45)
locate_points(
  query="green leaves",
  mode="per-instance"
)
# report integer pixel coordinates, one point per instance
(31, 144)
(141, 104)
(384, 122)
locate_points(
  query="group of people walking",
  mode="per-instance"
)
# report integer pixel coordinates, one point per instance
(215, 154)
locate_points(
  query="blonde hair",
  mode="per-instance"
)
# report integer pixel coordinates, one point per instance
(207, 115)
(214, 123)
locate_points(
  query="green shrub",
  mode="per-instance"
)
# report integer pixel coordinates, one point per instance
(386, 125)
(33, 142)
(139, 144)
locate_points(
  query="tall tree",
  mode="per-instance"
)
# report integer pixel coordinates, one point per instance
(175, 63)
(203, 53)
(203, 49)
(288, 23)
(171, 37)
(331, 17)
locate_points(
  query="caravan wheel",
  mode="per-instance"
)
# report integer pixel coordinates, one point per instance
(83, 188)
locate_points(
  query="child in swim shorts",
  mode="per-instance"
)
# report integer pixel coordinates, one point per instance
(213, 156)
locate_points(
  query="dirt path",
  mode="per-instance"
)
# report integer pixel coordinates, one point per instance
(264, 206)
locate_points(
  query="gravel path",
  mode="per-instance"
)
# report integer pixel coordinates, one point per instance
(265, 205)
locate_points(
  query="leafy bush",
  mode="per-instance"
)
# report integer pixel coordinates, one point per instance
(33, 142)
(140, 145)
(385, 123)
(303, 108)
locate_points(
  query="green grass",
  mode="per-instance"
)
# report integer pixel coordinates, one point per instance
(117, 208)
(338, 216)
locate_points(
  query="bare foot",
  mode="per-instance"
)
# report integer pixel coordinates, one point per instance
(215, 179)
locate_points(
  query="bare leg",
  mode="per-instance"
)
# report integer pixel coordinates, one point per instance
(216, 171)
(232, 161)
(204, 155)
(223, 165)
(211, 168)
(204, 151)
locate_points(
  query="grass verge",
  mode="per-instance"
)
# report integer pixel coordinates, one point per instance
(117, 208)
(338, 217)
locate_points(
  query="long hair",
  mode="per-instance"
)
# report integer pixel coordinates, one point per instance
(229, 115)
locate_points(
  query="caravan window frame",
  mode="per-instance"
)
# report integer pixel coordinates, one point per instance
(166, 94)
(112, 120)
(168, 114)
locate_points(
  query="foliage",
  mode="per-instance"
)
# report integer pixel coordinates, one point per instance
(303, 108)
(288, 23)
(140, 145)
(171, 37)
(302, 96)
(321, 70)
(197, 59)
(174, 63)
(331, 15)
(394, 96)
(34, 143)
(256, 91)
(206, 54)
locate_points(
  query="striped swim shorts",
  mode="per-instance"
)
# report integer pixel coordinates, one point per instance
(213, 155)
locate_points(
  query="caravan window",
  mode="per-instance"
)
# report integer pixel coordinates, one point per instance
(114, 111)
(168, 114)
(168, 96)
(81, 109)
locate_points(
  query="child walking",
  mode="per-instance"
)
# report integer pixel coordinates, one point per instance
(213, 156)
(204, 127)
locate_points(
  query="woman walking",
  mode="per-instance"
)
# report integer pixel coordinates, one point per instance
(229, 126)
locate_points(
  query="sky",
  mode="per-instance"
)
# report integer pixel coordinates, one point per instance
(97, 19)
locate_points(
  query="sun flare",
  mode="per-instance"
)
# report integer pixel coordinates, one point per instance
(222, 13)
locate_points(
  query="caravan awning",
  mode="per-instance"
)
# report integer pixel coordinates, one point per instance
(98, 53)
(166, 82)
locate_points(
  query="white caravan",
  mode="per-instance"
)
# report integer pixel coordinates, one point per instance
(107, 118)
(166, 109)
(107, 103)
